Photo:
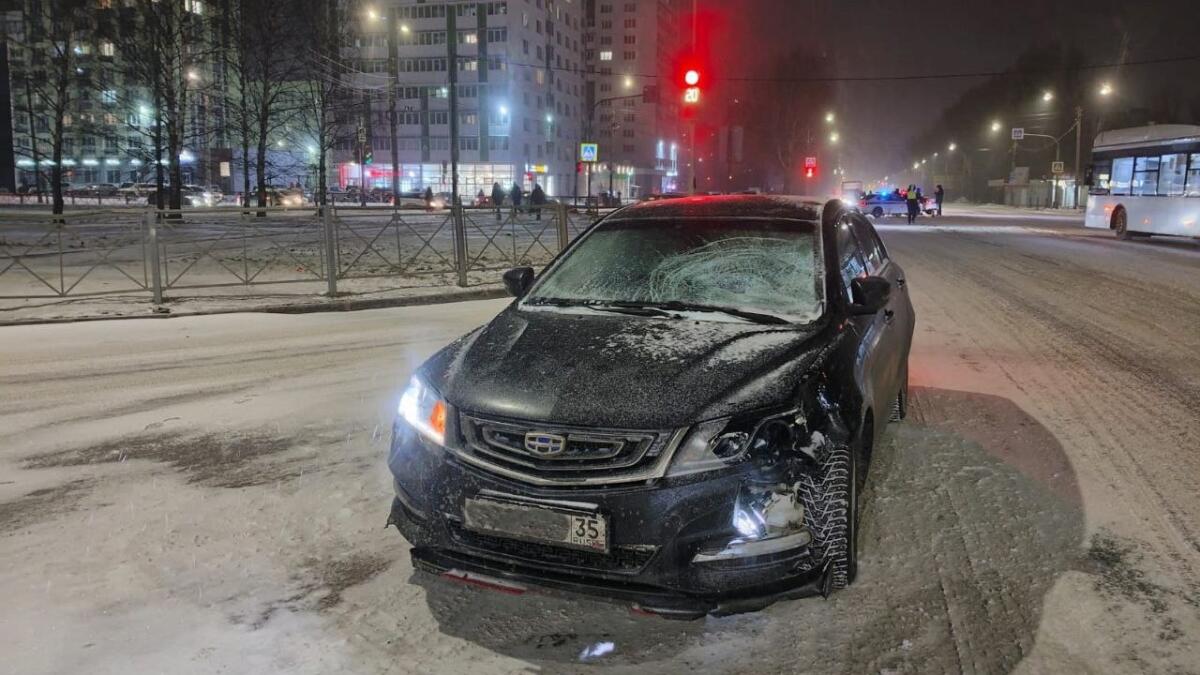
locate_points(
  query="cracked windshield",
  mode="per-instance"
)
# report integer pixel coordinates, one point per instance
(434, 337)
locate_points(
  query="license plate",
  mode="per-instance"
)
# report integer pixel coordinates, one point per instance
(528, 521)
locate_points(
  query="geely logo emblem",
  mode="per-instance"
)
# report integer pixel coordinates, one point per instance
(544, 445)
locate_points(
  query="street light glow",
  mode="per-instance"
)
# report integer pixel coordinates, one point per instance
(372, 14)
(916, 165)
(404, 28)
(996, 126)
(829, 117)
(549, 119)
(504, 111)
(1047, 96)
(833, 138)
(1106, 89)
(628, 82)
(952, 147)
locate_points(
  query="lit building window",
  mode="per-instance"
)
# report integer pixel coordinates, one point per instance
(606, 56)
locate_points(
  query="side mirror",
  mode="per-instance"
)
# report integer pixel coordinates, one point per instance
(518, 280)
(869, 295)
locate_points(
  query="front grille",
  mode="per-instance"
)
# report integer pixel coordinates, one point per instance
(565, 455)
(621, 560)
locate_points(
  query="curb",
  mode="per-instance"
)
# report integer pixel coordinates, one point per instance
(349, 305)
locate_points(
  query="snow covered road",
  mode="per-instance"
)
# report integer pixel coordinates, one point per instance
(208, 494)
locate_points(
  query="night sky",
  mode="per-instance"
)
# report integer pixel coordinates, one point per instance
(886, 37)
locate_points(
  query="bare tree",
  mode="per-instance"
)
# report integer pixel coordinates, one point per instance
(51, 78)
(325, 26)
(166, 52)
(791, 114)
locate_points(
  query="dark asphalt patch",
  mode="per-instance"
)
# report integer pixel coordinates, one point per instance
(213, 460)
(319, 586)
(43, 504)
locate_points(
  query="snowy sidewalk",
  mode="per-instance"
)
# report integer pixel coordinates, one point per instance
(285, 299)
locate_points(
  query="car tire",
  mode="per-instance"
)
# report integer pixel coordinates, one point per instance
(830, 499)
(900, 404)
(877, 212)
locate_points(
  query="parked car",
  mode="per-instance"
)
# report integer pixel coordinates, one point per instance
(659, 196)
(131, 189)
(678, 413)
(102, 190)
(190, 196)
(882, 204)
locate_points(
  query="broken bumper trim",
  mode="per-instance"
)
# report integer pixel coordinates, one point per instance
(645, 599)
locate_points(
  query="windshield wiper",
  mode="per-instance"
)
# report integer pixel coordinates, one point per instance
(679, 306)
(600, 306)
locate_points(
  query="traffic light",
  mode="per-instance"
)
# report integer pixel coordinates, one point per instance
(691, 91)
(369, 157)
(810, 172)
(579, 167)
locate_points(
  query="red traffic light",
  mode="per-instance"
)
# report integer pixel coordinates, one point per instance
(810, 172)
(692, 78)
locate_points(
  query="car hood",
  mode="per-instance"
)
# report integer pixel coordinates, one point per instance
(619, 371)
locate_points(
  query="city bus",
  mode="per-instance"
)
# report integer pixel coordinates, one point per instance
(1145, 181)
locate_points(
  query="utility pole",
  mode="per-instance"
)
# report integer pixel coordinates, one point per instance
(393, 75)
(452, 65)
(364, 143)
(1078, 150)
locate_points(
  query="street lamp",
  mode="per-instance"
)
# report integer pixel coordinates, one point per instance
(995, 126)
(829, 117)
(1047, 96)
(833, 138)
(628, 82)
(372, 14)
(952, 147)
(1106, 89)
(404, 28)
(916, 165)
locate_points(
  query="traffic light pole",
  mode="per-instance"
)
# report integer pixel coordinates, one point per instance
(591, 120)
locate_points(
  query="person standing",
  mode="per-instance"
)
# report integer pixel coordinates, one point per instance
(939, 196)
(536, 199)
(497, 198)
(428, 198)
(914, 206)
(515, 195)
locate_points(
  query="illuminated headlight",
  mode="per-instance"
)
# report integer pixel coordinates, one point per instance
(768, 521)
(724, 442)
(424, 410)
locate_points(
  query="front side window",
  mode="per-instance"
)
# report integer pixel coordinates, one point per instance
(851, 261)
(1122, 175)
(1193, 177)
(767, 266)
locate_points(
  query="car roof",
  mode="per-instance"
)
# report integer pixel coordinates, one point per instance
(726, 206)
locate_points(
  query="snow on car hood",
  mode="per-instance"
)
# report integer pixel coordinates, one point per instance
(620, 371)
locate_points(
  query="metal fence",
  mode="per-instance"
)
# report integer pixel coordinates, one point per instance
(122, 251)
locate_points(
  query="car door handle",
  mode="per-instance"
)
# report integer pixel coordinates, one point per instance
(889, 315)
(900, 282)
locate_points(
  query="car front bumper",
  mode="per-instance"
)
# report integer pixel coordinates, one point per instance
(665, 540)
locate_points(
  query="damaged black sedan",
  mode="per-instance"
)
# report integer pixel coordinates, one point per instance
(677, 413)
